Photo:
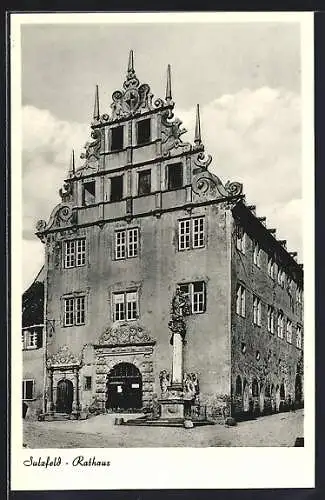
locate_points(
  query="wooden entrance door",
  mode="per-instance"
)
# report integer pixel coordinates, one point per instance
(124, 388)
(64, 397)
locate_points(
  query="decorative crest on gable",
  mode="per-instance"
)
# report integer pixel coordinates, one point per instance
(91, 154)
(124, 333)
(206, 184)
(61, 216)
(63, 357)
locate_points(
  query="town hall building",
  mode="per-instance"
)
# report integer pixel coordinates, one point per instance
(141, 217)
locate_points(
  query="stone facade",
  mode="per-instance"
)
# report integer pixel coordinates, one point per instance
(101, 341)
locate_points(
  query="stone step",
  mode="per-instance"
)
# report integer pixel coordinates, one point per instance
(161, 422)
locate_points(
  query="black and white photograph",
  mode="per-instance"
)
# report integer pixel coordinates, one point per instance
(164, 267)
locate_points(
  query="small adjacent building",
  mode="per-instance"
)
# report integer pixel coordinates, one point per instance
(141, 216)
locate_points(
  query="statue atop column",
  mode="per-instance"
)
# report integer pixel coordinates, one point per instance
(180, 308)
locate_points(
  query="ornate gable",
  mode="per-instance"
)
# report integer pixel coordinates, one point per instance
(63, 357)
(125, 333)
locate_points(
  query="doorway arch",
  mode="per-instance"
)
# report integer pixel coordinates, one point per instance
(262, 394)
(298, 389)
(277, 398)
(124, 387)
(246, 397)
(64, 396)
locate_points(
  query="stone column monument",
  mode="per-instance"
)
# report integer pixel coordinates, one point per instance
(172, 397)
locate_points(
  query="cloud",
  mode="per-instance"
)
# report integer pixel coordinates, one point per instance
(253, 136)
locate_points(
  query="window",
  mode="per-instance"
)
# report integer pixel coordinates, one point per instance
(144, 131)
(271, 268)
(289, 331)
(257, 255)
(240, 238)
(280, 325)
(126, 243)
(125, 306)
(241, 301)
(270, 319)
(28, 389)
(87, 383)
(144, 182)
(298, 337)
(196, 295)
(175, 176)
(116, 188)
(74, 311)
(191, 233)
(256, 311)
(32, 338)
(117, 138)
(89, 193)
(75, 253)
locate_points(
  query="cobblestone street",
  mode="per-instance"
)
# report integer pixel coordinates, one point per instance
(100, 432)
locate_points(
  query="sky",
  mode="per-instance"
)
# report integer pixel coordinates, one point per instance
(245, 76)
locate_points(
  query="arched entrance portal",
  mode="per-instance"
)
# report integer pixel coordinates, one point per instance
(124, 388)
(64, 396)
(246, 397)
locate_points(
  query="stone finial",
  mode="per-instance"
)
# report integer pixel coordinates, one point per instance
(169, 85)
(72, 165)
(96, 105)
(131, 62)
(197, 136)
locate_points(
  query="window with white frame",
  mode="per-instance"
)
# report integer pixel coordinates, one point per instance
(196, 294)
(74, 310)
(271, 268)
(270, 319)
(240, 239)
(75, 253)
(299, 337)
(125, 306)
(280, 325)
(28, 389)
(32, 338)
(257, 311)
(126, 243)
(289, 331)
(191, 233)
(257, 254)
(241, 301)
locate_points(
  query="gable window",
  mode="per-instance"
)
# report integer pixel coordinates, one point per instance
(241, 301)
(271, 268)
(28, 389)
(280, 325)
(116, 188)
(257, 254)
(143, 131)
(75, 253)
(240, 238)
(175, 176)
(289, 331)
(144, 182)
(87, 383)
(270, 319)
(117, 138)
(32, 338)
(74, 311)
(298, 337)
(191, 233)
(125, 306)
(89, 193)
(126, 243)
(196, 295)
(256, 311)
